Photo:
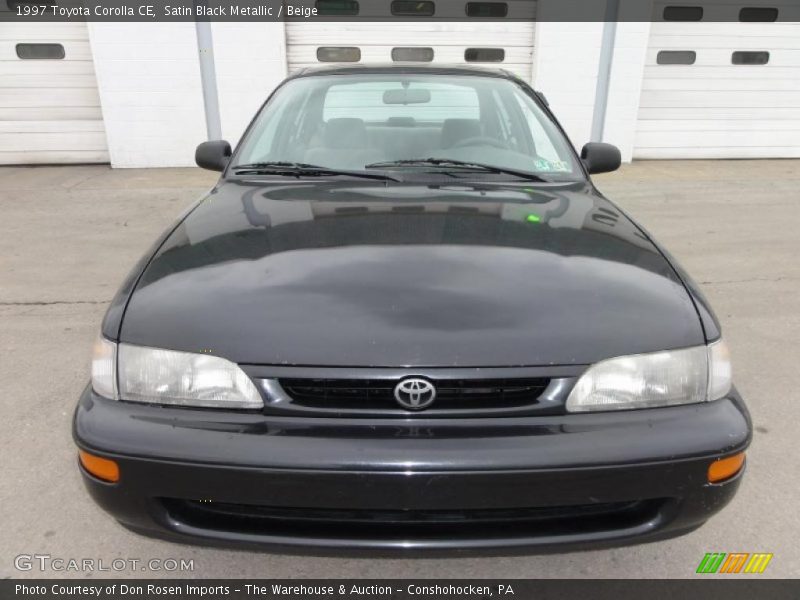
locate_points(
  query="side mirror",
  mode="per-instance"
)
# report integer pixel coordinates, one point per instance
(601, 158)
(213, 155)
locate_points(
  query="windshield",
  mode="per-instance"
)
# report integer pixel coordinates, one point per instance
(356, 122)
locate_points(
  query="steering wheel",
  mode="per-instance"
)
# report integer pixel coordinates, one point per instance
(480, 140)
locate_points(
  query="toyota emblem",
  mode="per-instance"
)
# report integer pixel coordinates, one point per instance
(414, 394)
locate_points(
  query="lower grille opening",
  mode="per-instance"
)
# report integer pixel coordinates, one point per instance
(389, 525)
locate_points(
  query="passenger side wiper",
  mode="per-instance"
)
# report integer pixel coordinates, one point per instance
(294, 169)
(448, 162)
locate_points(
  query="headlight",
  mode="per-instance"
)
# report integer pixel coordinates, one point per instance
(168, 377)
(104, 372)
(650, 380)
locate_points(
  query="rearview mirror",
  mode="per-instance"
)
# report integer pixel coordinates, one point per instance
(404, 96)
(213, 156)
(601, 158)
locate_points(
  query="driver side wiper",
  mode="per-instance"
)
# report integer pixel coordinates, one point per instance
(448, 162)
(304, 170)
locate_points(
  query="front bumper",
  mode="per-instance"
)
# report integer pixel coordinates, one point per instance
(582, 480)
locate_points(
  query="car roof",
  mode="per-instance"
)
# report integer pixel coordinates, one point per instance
(390, 68)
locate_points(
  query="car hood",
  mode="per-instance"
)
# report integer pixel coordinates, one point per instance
(366, 274)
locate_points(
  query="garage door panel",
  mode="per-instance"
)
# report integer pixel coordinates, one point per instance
(752, 124)
(29, 81)
(310, 32)
(22, 97)
(411, 38)
(715, 139)
(784, 27)
(88, 141)
(726, 42)
(721, 57)
(750, 113)
(58, 32)
(655, 72)
(297, 30)
(448, 40)
(519, 9)
(49, 108)
(422, 34)
(52, 113)
(446, 54)
(728, 10)
(49, 157)
(734, 85)
(73, 50)
(714, 108)
(47, 68)
(738, 99)
(40, 126)
(717, 153)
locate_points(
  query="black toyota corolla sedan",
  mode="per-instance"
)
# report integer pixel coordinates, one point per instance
(405, 318)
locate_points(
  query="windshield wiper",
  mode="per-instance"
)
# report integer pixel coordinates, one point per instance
(449, 162)
(294, 169)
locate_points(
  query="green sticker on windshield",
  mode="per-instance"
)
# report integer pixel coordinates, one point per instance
(542, 164)
(561, 165)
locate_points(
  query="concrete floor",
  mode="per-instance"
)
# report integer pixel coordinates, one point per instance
(69, 235)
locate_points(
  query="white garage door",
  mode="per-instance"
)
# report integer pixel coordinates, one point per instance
(503, 44)
(49, 105)
(721, 89)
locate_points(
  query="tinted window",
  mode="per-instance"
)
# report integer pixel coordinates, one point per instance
(676, 57)
(337, 7)
(487, 9)
(40, 51)
(683, 13)
(542, 141)
(366, 100)
(338, 54)
(412, 54)
(413, 9)
(351, 121)
(484, 55)
(758, 15)
(750, 58)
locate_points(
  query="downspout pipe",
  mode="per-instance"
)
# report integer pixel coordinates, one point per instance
(208, 78)
(604, 70)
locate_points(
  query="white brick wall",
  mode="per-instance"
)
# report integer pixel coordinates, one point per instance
(148, 77)
(565, 70)
(250, 61)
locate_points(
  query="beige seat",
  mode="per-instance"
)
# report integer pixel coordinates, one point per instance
(345, 145)
(457, 130)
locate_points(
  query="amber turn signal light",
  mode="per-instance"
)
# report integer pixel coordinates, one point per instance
(725, 468)
(102, 468)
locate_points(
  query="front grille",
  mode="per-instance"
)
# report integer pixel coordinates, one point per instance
(451, 394)
(387, 525)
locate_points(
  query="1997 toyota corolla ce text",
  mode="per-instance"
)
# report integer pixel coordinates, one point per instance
(405, 318)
